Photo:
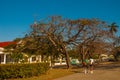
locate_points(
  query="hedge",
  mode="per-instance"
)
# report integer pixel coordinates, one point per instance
(8, 71)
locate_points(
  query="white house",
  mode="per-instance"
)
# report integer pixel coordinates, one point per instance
(3, 55)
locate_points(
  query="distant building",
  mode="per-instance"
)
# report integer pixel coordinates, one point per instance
(104, 57)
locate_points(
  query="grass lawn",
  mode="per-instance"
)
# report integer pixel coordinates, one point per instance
(52, 74)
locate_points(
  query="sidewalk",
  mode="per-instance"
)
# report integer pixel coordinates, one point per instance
(103, 72)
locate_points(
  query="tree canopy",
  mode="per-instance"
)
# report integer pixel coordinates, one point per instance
(56, 35)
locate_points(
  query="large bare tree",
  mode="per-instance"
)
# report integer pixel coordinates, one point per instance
(60, 32)
(64, 33)
(95, 32)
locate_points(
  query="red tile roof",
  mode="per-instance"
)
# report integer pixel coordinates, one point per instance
(4, 44)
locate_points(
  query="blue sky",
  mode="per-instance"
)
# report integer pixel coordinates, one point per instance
(17, 15)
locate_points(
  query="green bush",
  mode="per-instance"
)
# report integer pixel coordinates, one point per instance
(22, 70)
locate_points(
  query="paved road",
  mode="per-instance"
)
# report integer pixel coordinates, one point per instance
(102, 72)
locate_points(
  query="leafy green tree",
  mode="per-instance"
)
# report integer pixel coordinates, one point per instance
(73, 54)
(116, 53)
(117, 41)
(116, 50)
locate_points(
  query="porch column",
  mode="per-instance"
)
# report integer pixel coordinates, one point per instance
(4, 59)
(30, 59)
(39, 58)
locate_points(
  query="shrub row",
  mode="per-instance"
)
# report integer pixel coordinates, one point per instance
(22, 70)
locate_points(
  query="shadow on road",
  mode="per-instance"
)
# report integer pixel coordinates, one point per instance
(101, 66)
(111, 65)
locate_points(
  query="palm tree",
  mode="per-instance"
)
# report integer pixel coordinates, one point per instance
(113, 28)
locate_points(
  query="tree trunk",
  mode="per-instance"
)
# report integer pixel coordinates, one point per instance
(67, 59)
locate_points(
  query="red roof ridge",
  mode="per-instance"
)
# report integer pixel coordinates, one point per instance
(6, 43)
